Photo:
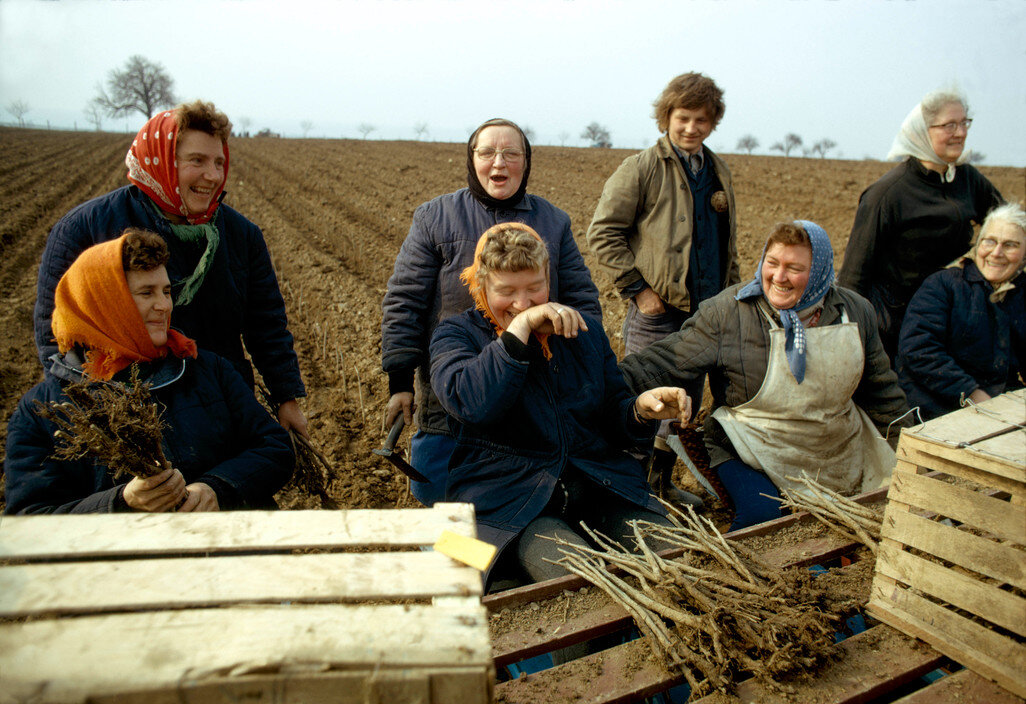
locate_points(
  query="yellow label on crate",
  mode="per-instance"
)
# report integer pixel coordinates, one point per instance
(469, 551)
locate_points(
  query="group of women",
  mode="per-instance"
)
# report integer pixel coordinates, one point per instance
(492, 334)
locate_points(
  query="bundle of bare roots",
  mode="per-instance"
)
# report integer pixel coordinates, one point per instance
(118, 423)
(313, 471)
(717, 611)
(838, 513)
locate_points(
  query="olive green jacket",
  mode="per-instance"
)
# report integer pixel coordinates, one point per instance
(643, 223)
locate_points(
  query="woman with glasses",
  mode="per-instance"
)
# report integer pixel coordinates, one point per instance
(964, 335)
(919, 216)
(425, 285)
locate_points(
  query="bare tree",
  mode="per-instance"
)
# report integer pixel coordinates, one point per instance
(790, 143)
(420, 129)
(94, 114)
(563, 136)
(597, 135)
(976, 157)
(245, 122)
(822, 147)
(18, 108)
(141, 86)
(529, 133)
(748, 143)
(306, 126)
(365, 129)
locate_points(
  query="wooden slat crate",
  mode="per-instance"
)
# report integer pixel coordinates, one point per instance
(269, 606)
(952, 563)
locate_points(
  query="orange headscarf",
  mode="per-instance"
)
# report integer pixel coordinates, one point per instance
(153, 167)
(476, 286)
(95, 309)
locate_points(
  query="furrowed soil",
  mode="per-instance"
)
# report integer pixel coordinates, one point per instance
(334, 213)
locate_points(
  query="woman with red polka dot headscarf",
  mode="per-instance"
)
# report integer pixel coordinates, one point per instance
(225, 290)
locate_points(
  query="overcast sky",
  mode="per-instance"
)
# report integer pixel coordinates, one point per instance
(848, 70)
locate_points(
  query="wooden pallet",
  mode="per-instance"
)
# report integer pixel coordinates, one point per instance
(234, 606)
(952, 563)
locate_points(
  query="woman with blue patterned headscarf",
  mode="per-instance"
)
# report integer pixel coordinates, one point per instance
(799, 378)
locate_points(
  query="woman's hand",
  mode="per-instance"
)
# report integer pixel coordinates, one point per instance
(400, 402)
(979, 396)
(201, 498)
(663, 403)
(649, 302)
(156, 494)
(549, 318)
(291, 418)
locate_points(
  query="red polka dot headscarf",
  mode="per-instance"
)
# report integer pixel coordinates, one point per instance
(152, 167)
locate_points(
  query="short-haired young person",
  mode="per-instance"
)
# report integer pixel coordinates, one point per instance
(666, 228)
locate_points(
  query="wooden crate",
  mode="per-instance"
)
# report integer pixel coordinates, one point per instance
(268, 606)
(952, 563)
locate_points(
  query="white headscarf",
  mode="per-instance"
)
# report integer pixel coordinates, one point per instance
(914, 140)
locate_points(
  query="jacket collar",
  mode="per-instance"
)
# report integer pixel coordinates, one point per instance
(158, 374)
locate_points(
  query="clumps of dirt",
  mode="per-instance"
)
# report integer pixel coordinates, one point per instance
(719, 611)
(118, 423)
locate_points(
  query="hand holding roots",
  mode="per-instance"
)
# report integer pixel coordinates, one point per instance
(718, 610)
(117, 423)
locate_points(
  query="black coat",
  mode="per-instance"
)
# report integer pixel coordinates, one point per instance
(238, 301)
(217, 433)
(955, 340)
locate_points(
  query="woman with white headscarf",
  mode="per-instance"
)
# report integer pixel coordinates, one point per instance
(919, 216)
(799, 379)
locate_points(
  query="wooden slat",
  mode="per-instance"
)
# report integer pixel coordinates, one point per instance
(153, 534)
(61, 660)
(988, 557)
(963, 687)
(990, 514)
(958, 468)
(968, 425)
(132, 585)
(985, 600)
(1007, 461)
(995, 656)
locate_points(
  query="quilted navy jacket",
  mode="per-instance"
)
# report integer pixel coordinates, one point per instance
(425, 286)
(955, 340)
(519, 424)
(238, 301)
(217, 433)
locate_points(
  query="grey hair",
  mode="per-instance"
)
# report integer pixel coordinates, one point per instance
(1011, 213)
(934, 102)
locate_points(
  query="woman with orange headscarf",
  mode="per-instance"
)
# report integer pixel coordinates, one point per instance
(543, 415)
(224, 287)
(113, 309)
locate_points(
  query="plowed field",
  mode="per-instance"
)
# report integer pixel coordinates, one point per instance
(334, 214)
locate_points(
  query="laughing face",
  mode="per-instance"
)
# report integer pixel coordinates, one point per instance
(500, 177)
(785, 274)
(510, 293)
(200, 159)
(1000, 251)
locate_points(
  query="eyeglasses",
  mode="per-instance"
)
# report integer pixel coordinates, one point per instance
(510, 155)
(952, 127)
(989, 243)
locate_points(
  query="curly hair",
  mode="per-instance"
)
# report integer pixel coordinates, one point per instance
(788, 233)
(690, 91)
(511, 247)
(143, 250)
(934, 102)
(204, 117)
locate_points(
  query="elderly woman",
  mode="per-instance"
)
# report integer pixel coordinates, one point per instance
(543, 415)
(964, 336)
(425, 285)
(225, 289)
(113, 308)
(919, 216)
(799, 379)
(666, 229)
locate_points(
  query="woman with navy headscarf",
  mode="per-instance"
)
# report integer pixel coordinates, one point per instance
(799, 378)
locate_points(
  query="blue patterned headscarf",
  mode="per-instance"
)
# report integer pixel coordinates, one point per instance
(821, 277)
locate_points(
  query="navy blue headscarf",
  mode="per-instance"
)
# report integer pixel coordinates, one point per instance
(821, 277)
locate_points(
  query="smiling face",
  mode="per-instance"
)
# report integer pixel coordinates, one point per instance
(949, 146)
(1000, 251)
(500, 178)
(689, 128)
(785, 274)
(509, 293)
(151, 291)
(200, 159)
